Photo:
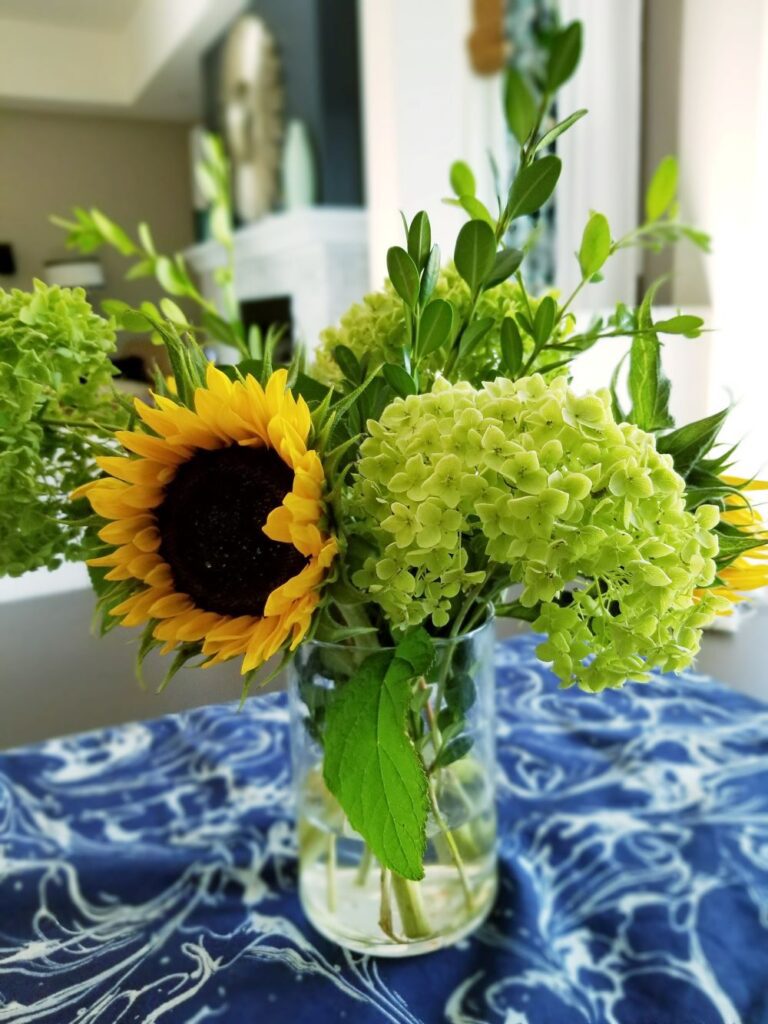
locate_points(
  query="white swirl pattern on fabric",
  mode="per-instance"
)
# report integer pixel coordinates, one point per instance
(147, 872)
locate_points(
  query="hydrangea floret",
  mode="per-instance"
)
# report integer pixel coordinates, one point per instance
(524, 482)
(55, 396)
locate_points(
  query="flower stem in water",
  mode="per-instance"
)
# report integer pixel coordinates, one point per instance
(364, 867)
(330, 872)
(452, 847)
(411, 907)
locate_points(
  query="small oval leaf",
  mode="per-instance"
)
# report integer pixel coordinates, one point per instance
(544, 320)
(595, 245)
(430, 275)
(347, 362)
(533, 186)
(662, 189)
(399, 380)
(505, 263)
(564, 55)
(475, 252)
(474, 333)
(403, 275)
(519, 106)
(419, 239)
(684, 323)
(511, 346)
(436, 326)
(462, 179)
(477, 210)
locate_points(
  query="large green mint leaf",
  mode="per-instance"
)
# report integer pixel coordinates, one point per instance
(371, 764)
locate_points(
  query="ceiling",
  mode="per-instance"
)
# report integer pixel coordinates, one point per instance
(134, 58)
(102, 15)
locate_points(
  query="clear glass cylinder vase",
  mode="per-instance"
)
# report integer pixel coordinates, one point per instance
(345, 893)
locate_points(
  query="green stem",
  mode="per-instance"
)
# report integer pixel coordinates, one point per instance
(452, 847)
(411, 906)
(330, 873)
(385, 906)
(364, 867)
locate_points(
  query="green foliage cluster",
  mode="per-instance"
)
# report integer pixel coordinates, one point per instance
(374, 330)
(465, 491)
(91, 230)
(55, 395)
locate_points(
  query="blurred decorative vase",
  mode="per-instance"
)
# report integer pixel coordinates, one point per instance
(298, 170)
(252, 101)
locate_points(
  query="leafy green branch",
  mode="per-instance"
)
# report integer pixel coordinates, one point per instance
(92, 229)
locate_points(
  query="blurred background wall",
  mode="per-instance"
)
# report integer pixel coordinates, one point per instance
(134, 168)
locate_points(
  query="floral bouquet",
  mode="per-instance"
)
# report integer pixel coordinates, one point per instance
(365, 519)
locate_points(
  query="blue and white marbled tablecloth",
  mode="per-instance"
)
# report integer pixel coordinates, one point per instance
(147, 872)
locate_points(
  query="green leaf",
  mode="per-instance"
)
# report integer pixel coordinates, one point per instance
(113, 233)
(662, 189)
(454, 751)
(126, 318)
(477, 210)
(562, 126)
(683, 324)
(145, 237)
(460, 692)
(505, 263)
(595, 245)
(170, 277)
(403, 275)
(417, 649)
(732, 546)
(533, 186)
(474, 334)
(144, 268)
(699, 238)
(435, 327)
(372, 767)
(462, 179)
(475, 252)
(399, 379)
(419, 239)
(689, 444)
(519, 106)
(648, 387)
(511, 346)
(347, 362)
(429, 275)
(544, 321)
(564, 55)
(173, 312)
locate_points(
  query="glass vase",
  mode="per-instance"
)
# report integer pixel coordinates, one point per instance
(345, 893)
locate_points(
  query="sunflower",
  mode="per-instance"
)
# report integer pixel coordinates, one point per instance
(750, 570)
(216, 520)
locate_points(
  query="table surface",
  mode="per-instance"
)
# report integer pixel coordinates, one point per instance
(148, 872)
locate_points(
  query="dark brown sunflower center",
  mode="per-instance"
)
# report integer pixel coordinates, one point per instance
(211, 523)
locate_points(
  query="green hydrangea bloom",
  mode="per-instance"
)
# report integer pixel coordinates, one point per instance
(529, 483)
(376, 326)
(54, 367)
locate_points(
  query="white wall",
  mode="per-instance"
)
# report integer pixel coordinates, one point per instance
(423, 108)
(724, 160)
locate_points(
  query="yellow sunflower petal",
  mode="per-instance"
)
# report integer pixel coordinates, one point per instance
(278, 525)
(155, 448)
(160, 577)
(274, 392)
(124, 530)
(136, 471)
(171, 605)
